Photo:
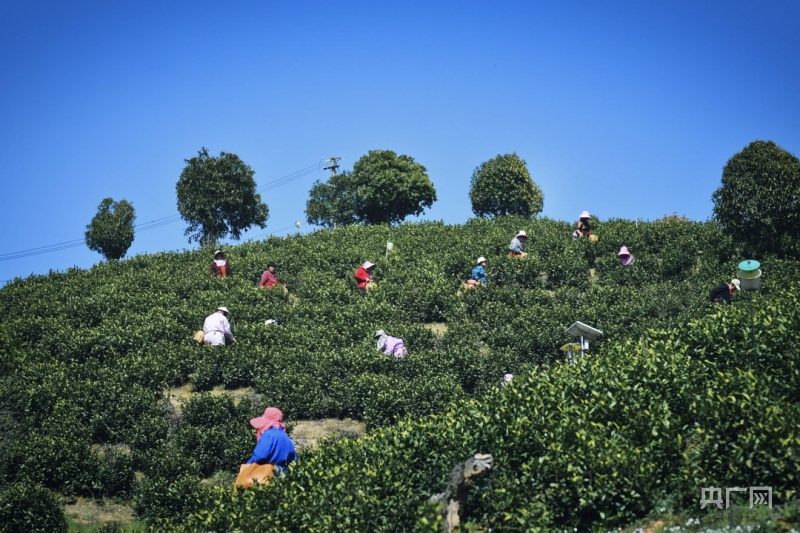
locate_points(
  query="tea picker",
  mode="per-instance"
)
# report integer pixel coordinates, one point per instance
(220, 266)
(723, 293)
(517, 246)
(583, 228)
(363, 275)
(388, 345)
(217, 328)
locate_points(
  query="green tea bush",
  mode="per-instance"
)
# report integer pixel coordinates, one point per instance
(177, 498)
(28, 507)
(215, 433)
(96, 351)
(115, 473)
(147, 433)
(595, 444)
(53, 461)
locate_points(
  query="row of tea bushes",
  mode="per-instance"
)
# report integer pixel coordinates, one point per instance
(595, 445)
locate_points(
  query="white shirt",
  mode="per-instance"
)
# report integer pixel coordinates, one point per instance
(217, 329)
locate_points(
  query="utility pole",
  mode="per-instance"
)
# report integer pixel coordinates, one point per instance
(333, 164)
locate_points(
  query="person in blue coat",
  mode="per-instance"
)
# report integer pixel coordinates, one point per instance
(479, 272)
(274, 446)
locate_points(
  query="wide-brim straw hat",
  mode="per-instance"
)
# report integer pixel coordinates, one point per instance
(224, 310)
(521, 234)
(584, 214)
(481, 259)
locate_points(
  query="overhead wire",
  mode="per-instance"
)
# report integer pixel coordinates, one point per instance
(159, 221)
(275, 231)
(291, 177)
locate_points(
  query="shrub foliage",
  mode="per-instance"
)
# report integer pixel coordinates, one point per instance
(670, 398)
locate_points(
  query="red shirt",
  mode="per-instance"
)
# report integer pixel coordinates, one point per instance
(362, 277)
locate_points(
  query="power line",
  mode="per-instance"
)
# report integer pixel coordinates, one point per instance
(291, 177)
(81, 242)
(42, 250)
(295, 225)
(157, 222)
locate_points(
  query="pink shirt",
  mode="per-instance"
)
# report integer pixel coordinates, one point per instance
(268, 277)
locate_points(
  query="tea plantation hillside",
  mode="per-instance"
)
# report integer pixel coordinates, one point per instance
(88, 358)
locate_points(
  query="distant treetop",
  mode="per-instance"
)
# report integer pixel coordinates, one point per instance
(383, 188)
(503, 186)
(758, 203)
(217, 197)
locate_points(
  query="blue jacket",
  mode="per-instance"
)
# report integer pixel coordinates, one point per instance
(516, 245)
(479, 274)
(274, 447)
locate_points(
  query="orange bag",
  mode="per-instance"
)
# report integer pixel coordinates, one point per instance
(250, 473)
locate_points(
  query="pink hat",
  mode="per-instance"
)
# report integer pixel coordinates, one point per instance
(625, 256)
(585, 214)
(272, 418)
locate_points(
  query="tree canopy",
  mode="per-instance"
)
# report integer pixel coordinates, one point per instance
(503, 186)
(332, 203)
(382, 188)
(217, 197)
(757, 203)
(111, 230)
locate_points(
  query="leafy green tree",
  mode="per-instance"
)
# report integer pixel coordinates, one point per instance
(332, 203)
(111, 230)
(758, 204)
(383, 188)
(217, 197)
(503, 186)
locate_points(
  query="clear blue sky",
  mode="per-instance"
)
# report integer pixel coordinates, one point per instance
(625, 108)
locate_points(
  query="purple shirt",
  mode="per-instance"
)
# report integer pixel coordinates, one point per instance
(392, 346)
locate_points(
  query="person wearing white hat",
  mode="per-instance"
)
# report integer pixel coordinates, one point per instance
(388, 345)
(723, 293)
(479, 273)
(583, 229)
(217, 328)
(363, 275)
(517, 246)
(220, 266)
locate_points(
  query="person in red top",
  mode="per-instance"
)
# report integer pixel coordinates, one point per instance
(363, 275)
(269, 278)
(220, 266)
